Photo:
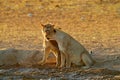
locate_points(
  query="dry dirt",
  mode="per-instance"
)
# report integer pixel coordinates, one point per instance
(96, 24)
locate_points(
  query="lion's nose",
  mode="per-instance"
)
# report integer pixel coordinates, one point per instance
(47, 31)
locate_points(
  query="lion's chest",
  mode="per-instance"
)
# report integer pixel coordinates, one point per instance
(61, 47)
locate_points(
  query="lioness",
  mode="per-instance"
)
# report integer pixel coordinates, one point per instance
(50, 46)
(71, 49)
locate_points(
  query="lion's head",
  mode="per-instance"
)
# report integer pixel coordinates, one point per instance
(48, 31)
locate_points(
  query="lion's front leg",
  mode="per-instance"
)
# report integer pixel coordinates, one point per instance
(58, 57)
(62, 60)
(58, 60)
(68, 61)
(45, 56)
(65, 60)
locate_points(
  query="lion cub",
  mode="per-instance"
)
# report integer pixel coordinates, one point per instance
(50, 46)
(71, 50)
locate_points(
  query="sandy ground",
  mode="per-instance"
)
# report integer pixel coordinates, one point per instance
(106, 67)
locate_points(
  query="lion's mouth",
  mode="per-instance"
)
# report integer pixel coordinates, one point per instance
(48, 38)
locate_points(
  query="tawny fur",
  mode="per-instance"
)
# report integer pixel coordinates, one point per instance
(50, 46)
(71, 50)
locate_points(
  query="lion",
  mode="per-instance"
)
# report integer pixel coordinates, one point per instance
(71, 50)
(50, 46)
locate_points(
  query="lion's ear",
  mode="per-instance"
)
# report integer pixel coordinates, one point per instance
(42, 25)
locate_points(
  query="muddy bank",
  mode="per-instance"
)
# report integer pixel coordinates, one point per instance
(51, 73)
(106, 67)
